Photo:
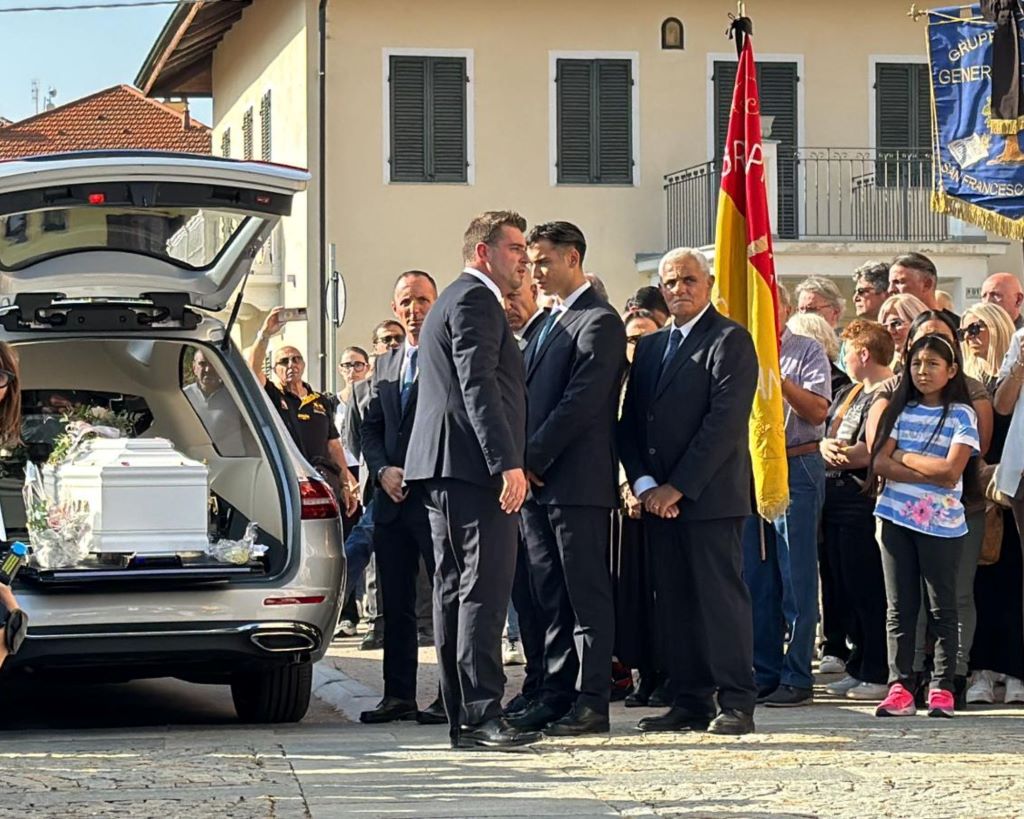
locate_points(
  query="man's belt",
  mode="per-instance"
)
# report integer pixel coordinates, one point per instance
(802, 449)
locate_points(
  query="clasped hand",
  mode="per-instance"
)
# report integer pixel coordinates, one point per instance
(662, 500)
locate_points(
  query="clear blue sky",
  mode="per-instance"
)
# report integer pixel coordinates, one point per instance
(76, 52)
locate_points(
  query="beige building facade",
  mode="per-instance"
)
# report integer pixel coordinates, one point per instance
(579, 111)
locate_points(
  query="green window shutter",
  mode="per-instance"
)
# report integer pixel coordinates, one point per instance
(614, 122)
(448, 120)
(247, 135)
(902, 106)
(575, 120)
(428, 119)
(225, 143)
(265, 131)
(594, 121)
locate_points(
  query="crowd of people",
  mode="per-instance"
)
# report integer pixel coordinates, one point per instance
(574, 486)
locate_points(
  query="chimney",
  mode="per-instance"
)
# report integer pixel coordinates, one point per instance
(186, 117)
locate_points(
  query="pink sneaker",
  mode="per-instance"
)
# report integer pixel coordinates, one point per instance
(940, 703)
(899, 703)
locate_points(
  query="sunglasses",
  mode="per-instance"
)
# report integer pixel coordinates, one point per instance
(353, 365)
(633, 339)
(288, 359)
(863, 291)
(970, 331)
(391, 341)
(894, 324)
(6, 377)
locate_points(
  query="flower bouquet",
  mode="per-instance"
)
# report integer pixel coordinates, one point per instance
(58, 531)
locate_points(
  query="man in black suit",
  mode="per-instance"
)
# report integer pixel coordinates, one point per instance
(574, 369)
(467, 447)
(683, 443)
(401, 534)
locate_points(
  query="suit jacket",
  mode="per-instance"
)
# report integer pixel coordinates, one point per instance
(573, 382)
(351, 434)
(689, 427)
(531, 332)
(386, 427)
(471, 417)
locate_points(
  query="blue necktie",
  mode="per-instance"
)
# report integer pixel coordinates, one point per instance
(675, 339)
(410, 377)
(548, 324)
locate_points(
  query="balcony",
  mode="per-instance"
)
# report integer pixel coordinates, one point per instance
(820, 195)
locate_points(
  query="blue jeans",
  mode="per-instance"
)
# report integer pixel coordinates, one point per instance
(359, 548)
(784, 586)
(512, 624)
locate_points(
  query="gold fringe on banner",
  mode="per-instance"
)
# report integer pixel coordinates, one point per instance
(1004, 226)
(1006, 126)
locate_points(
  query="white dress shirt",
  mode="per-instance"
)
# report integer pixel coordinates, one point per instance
(488, 281)
(529, 321)
(645, 482)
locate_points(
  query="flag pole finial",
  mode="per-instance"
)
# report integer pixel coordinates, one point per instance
(740, 27)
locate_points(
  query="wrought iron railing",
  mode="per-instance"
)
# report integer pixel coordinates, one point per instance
(823, 194)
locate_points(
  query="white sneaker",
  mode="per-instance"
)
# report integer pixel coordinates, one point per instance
(981, 688)
(840, 687)
(512, 653)
(868, 691)
(831, 665)
(1014, 690)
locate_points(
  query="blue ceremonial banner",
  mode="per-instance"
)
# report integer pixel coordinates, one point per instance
(979, 175)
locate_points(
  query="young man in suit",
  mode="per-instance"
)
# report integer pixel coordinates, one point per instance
(683, 443)
(401, 535)
(574, 369)
(467, 447)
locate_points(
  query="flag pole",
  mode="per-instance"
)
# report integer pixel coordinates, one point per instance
(740, 27)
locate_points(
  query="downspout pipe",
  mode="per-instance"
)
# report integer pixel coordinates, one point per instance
(322, 181)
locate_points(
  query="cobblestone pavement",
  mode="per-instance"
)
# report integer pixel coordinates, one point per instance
(167, 749)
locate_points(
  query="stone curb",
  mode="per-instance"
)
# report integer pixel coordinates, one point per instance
(341, 692)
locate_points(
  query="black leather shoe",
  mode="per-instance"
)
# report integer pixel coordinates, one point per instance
(536, 716)
(789, 696)
(516, 705)
(390, 709)
(764, 693)
(433, 714)
(372, 641)
(660, 697)
(676, 719)
(582, 719)
(495, 733)
(732, 723)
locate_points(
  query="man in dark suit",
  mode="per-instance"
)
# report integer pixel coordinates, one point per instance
(683, 443)
(574, 369)
(467, 446)
(401, 534)
(526, 318)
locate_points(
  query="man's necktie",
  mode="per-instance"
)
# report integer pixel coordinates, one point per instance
(674, 340)
(410, 377)
(549, 322)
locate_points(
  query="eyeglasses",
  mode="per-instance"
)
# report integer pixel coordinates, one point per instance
(391, 341)
(6, 377)
(970, 331)
(288, 359)
(864, 291)
(353, 365)
(633, 339)
(810, 308)
(894, 324)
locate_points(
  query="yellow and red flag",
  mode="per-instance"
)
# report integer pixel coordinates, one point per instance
(745, 281)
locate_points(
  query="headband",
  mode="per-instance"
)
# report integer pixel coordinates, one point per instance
(943, 339)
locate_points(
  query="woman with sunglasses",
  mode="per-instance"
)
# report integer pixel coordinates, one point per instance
(632, 586)
(895, 315)
(997, 654)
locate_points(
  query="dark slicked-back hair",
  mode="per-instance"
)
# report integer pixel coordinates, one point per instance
(486, 228)
(874, 273)
(918, 262)
(648, 297)
(412, 274)
(560, 234)
(387, 323)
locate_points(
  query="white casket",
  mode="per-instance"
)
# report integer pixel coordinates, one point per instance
(144, 497)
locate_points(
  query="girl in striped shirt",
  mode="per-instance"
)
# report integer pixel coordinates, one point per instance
(926, 437)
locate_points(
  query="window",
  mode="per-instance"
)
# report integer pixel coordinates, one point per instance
(247, 135)
(672, 34)
(427, 118)
(777, 86)
(265, 136)
(902, 107)
(594, 119)
(55, 220)
(16, 228)
(225, 143)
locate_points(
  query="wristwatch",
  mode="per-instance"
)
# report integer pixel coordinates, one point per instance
(380, 472)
